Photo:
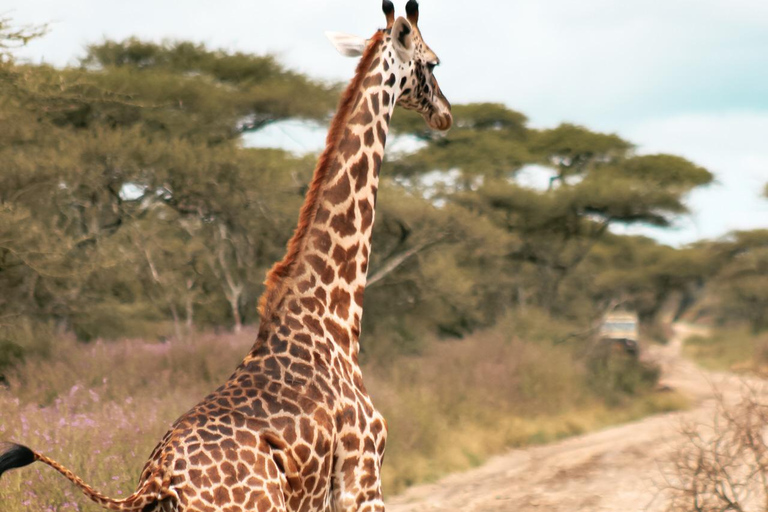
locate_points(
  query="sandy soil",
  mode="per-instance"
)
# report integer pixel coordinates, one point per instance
(617, 469)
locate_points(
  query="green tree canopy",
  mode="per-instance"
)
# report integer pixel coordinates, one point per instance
(741, 285)
(184, 89)
(572, 150)
(128, 202)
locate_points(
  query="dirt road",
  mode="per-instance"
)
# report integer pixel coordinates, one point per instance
(617, 469)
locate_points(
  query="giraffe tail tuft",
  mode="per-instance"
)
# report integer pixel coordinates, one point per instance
(14, 456)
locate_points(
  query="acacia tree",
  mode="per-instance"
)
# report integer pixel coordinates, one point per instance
(596, 182)
(573, 151)
(12, 37)
(190, 91)
(643, 275)
(427, 268)
(486, 141)
(741, 284)
(128, 199)
(130, 165)
(241, 205)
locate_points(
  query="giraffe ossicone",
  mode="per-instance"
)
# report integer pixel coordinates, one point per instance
(293, 429)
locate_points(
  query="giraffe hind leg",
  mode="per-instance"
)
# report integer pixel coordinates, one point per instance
(219, 474)
(255, 494)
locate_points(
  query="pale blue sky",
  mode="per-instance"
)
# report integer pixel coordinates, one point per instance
(682, 76)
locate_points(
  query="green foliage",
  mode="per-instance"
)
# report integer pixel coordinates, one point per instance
(221, 93)
(641, 275)
(470, 117)
(126, 203)
(10, 355)
(574, 149)
(615, 374)
(128, 206)
(22, 339)
(548, 236)
(486, 140)
(741, 284)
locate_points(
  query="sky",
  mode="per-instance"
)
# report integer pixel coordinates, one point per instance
(688, 77)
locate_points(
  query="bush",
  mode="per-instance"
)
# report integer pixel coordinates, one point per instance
(112, 320)
(10, 354)
(614, 373)
(21, 338)
(460, 401)
(722, 465)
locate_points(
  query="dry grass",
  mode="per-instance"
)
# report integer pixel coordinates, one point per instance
(100, 418)
(462, 401)
(731, 349)
(101, 408)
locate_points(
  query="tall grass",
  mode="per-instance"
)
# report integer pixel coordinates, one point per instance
(461, 401)
(100, 408)
(734, 348)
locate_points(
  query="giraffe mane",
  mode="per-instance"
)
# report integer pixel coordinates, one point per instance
(275, 281)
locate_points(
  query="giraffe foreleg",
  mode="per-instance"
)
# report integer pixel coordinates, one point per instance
(357, 478)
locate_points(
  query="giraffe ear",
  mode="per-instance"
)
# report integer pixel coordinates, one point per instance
(402, 38)
(347, 45)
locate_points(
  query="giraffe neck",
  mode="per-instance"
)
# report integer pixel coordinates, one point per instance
(321, 280)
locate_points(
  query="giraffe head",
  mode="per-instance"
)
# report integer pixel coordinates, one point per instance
(414, 61)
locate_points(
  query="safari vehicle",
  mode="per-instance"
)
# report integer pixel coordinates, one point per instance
(620, 328)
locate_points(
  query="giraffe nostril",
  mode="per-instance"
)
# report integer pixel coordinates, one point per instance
(446, 122)
(441, 122)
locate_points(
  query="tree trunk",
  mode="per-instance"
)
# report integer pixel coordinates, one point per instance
(189, 308)
(392, 264)
(233, 290)
(176, 322)
(234, 301)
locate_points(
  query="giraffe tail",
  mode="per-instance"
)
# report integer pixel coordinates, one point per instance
(152, 490)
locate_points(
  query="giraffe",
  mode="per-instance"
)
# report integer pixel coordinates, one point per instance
(293, 429)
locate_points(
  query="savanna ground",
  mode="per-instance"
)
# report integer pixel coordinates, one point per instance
(100, 408)
(625, 468)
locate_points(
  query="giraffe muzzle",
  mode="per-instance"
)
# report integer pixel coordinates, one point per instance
(441, 122)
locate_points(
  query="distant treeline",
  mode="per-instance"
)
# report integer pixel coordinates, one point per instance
(129, 207)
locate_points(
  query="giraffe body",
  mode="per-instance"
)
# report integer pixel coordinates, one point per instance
(294, 428)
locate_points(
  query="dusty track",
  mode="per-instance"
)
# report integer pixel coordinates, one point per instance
(617, 469)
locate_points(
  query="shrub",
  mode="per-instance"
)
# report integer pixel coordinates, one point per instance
(10, 354)
(614, 374)
(722, 465)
